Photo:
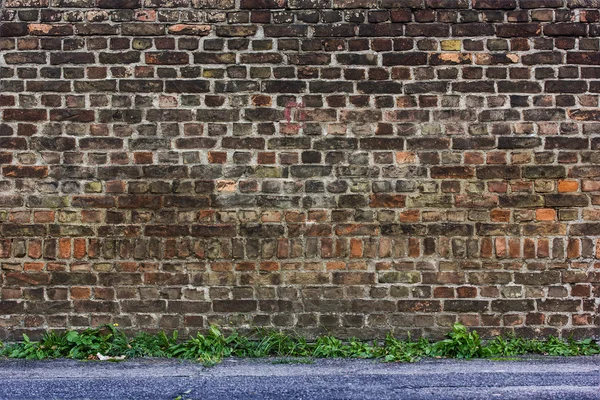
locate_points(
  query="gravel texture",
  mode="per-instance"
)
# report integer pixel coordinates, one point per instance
(517, 378)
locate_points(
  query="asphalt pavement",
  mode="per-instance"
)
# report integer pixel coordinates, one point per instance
(514, 378)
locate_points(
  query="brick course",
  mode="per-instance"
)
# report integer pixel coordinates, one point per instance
(355, 166)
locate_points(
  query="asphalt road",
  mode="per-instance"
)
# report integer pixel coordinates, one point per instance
(537, 378)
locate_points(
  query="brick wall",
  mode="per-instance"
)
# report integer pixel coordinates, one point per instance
(356, 166)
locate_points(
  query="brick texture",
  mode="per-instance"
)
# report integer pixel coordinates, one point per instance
(356, 166)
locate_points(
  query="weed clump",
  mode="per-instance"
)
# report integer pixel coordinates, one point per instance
(212, 347)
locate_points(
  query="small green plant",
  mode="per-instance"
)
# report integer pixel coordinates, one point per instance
(513, 346)
(107, 340)
(395, 350)
(146, 345)
(460, 344)
(359, 349)
(328, 347)
(273, 343)
(27, 349)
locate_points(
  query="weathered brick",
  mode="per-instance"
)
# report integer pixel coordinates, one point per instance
(187, 86)
(235, 306)
(414, 58)
(452, 172)
(214, 58)
(466, 305)
(166, 230)
(473, 29)
(190, 29)
(515, 142)
(388, 200)
(71, 58)
(25, 115)
(518, 30)
(545, 172)
(570, 143)
(214, 230)
(565, 29)
(24, 171)
(566, 200)
(73, 115)
(521, 201)
(12, 29)
(25, 57)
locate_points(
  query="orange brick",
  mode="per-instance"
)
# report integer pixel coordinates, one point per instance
(35, 248)
(487, 248)
(269, 266)
(43, 216)
(414, 247)
(79, 248)
(336, 265)
(568, 186)
(266, 158)
(64, 248)
(501, 247)
(356, 248)
(142, 158)
(545, 214)
(261, 100)
(410, 216)
(543, 248)
(406, 157)
(33, 266)
(474, 158)
(221, 266)
(217, 157)
(499, 215)
(573, 248)
(245, 266)
(78, 292)
(514, 248)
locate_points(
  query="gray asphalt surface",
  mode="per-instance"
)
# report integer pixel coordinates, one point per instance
(533, 378)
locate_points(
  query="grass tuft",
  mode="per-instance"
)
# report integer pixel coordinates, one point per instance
(211, 348)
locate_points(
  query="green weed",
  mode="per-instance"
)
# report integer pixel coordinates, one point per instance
(329, 347)
(280, 344)
(460, 344)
